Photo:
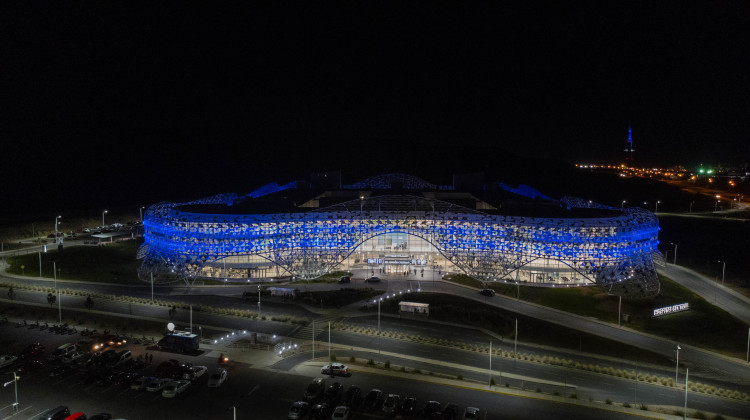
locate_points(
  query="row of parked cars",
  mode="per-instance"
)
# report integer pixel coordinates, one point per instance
(333, 402)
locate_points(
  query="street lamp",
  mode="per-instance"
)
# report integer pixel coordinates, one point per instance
(58, 240)
(622, 204)
(103, 213)
(141, 212)
(675, 253)
(677, 364)
(691, 206)
(723, 271)
(15, 385)
(656, 210)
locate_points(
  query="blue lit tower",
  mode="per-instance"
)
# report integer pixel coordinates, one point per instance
(629, 151)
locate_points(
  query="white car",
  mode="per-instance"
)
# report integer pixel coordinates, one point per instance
(340, 413)
(175, 387)
(194, 372)
(217, 378)
(157, 384)
(335, 369)
(6, 360)
(73, 357)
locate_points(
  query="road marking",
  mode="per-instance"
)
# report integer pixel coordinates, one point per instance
(607, 383)
(21, 411)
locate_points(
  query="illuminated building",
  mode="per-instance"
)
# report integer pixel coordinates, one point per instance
(397, 223)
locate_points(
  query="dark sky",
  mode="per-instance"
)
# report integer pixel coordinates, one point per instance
(105, 102)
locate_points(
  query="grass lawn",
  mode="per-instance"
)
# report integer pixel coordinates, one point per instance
(113, 263)
(459, 310)
(705, 325)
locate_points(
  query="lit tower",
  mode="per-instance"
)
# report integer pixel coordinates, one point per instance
(629, 151)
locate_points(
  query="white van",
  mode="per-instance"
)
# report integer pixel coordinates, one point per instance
(64, 350)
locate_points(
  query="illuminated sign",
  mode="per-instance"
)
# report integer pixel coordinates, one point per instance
(671, 309)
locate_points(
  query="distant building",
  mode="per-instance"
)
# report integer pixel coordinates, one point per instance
(401, 224)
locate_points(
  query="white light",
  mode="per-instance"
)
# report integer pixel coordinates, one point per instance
(215, 341)
(244, 332)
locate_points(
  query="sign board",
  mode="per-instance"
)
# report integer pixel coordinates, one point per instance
(671, 309)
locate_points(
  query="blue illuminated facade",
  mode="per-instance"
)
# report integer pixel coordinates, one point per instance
(616, 252)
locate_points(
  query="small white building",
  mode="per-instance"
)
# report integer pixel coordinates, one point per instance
(414, 308)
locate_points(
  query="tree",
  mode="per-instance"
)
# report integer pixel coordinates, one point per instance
(51, 298)
(89, 303)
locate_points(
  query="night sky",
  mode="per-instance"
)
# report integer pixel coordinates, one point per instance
(107, 103)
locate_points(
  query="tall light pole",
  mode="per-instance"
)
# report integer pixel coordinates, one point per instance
(103, 213)
(656, 209)
(15, 385)
(675, 252)
(141, 211)
(723, 270)
(684, 412)
(59, 308)
(677, 364)
(691, 206)
(622, 204)
(57, 222)
(259, 301)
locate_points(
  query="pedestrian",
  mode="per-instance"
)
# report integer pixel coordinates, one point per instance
(151, 358)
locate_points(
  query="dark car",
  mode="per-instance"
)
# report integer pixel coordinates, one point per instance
(31, 366)
(321, 411)
(487, 292)
(334, 392)
(167, 368)
(32, 351)
(372, 279)
(450, 412)
(63, 370)
(125, 379)
(371, 399)
(409, 406)
(101, 416)
(105, 378)
(351, 396)
(345, 279)
(430, 410)
(299, 410)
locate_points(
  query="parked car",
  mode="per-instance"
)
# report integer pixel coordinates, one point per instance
(76, 416)
(175, 387)
(63, 371)
(217, 378)
(487, 292)
(314, 389)
(58, 413)
(334, 392)
(391, 403)
(64, 350)
(351, 396)
(167, 368)
(157, 384)
(409, 406)
(7, 360)
(299, 410)
(141, 382)
(430, 409)
(345, 279)
(371, 399)
(101, 416)
(340, 413)
(194, 372)
(471, 413)
(32, 351)
(126, 379)
(450, 412)
(72, 357)
(335, 369)
(321, 411)
(31, 366)
(372, 279)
